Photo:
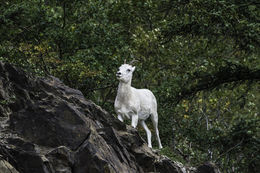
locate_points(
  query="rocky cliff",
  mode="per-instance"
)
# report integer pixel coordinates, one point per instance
(47, 127)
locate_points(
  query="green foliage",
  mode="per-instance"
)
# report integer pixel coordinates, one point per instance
(200, 58)
(5, 102)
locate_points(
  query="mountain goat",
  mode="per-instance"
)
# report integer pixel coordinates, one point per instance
(135, 104)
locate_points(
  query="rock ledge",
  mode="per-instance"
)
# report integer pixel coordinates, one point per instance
(47, 127)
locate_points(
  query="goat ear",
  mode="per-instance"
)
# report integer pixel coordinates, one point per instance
(133, 68)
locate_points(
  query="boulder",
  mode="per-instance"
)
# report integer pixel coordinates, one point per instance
(48, 127)
(6, 167)
(208, 167)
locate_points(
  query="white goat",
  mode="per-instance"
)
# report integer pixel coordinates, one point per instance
(137, 104)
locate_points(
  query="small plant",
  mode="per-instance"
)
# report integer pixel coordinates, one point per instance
(8, 101)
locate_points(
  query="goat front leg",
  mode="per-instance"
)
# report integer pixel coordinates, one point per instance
(120, 118)
(134, 120)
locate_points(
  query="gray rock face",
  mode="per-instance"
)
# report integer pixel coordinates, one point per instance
(6, 167)
(47, 127)
(208, 168)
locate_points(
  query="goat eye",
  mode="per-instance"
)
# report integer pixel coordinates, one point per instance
(128, 70)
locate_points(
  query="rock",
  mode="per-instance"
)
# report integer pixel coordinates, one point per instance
(6, 167)
(61, 159)
(47, 127)
(208, 168)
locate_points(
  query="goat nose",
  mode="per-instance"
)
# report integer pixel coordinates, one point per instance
(118, 73)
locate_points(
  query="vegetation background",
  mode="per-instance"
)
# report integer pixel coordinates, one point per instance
(199, 57)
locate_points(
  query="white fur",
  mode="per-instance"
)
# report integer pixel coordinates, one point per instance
(135, 104)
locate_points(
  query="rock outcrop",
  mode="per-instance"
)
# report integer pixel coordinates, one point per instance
(6, 167)
(47, 127)
(208, 168)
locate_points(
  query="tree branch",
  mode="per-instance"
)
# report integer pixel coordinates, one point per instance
(229, 74)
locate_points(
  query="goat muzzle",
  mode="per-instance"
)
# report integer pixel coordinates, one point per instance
(118, 74)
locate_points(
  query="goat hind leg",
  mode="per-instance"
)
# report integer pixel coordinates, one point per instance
(154, 118)
(148, 133)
